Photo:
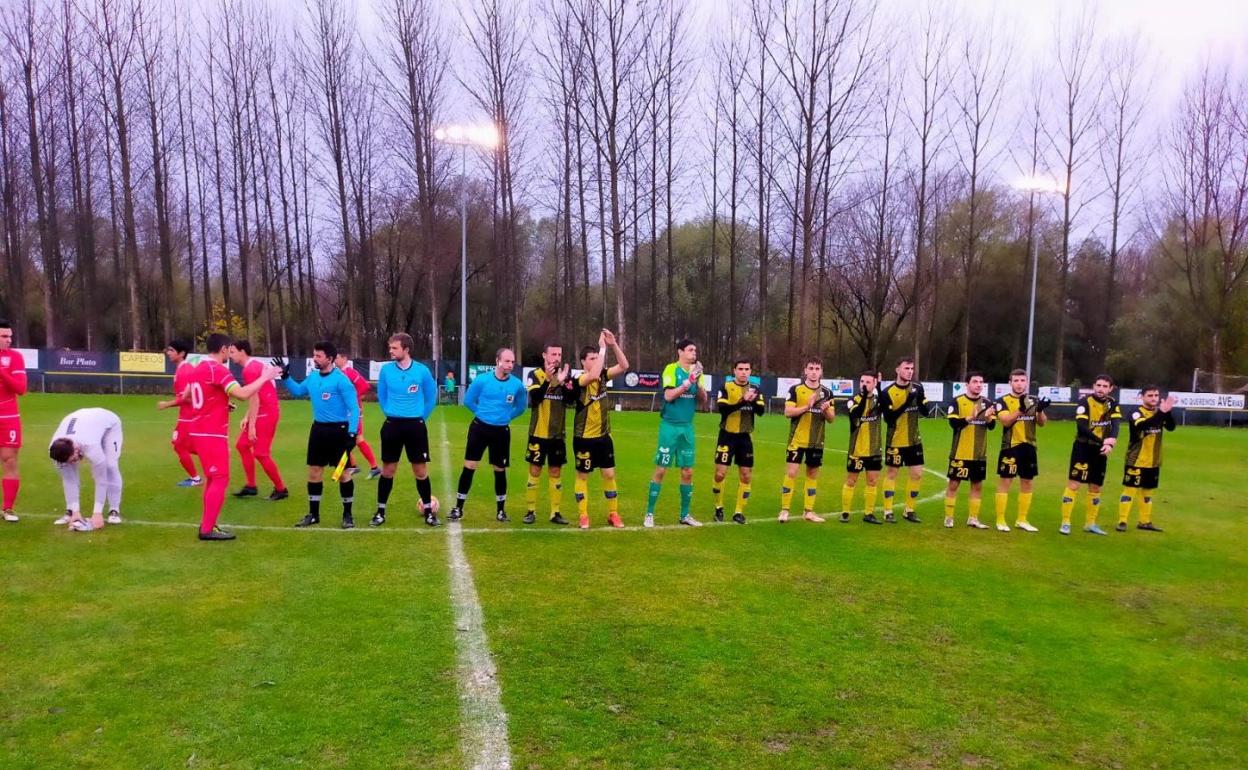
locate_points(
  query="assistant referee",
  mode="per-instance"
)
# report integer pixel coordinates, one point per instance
(407, 395)
(495, 399)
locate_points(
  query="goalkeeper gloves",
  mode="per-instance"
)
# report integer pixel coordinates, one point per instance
(283, 364)
(1042, 404)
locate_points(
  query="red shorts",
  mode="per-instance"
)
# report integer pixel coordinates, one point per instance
(11, 432)
(266, 428)
(214, 454)
(181, 438)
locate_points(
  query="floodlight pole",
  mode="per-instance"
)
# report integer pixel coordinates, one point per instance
(1031, 316)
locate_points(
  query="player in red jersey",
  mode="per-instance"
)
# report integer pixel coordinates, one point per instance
(361, 387)
(210, 392)
(255, 437)
(12, 385)
(183, 446)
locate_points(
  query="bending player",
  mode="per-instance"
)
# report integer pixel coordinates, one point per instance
(1143, 464)
(740, 403)
(12, 385)
(93, 435)
(335, 424)
(183, 446)
(259, 426)
(1096, 432)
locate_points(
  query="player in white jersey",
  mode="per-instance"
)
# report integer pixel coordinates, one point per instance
(93, 435)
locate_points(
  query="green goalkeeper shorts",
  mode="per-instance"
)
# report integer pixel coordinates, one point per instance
(675, 445)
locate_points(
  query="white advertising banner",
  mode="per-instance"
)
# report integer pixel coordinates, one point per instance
(933, 391)
(30, 356)
(1208, 400)
(1054, 393)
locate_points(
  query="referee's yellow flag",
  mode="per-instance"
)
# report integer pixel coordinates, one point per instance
(342, 466)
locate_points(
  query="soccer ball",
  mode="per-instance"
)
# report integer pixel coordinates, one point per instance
(434, 505)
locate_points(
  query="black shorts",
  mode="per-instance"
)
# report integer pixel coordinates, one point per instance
(1141, 478)
(496, 438)
(593, 453)
(327, 443)
(968, 470)
(860, 464)
(1087, 465)
(812, 456)
(404, 434)
(550, 451)
(1018, 461)
(907, 456)
(734, 448)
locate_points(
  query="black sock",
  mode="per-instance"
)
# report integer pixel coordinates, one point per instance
(314, 497)
(424, 488)
(465, 484)
(500, 489)
(384, 485)
(347, 490)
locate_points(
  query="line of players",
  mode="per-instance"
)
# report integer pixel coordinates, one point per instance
(407, 395)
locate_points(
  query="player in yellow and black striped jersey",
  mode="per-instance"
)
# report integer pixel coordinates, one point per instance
(1019, 414)
(1142, 471)
(809, 408)
(865, 413)
(971, 415)
(549, 391)
(592, 447)
(740, 402)
(904, 402)
(1096, 433)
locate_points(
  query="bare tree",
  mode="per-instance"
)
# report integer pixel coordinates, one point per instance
(153, 64)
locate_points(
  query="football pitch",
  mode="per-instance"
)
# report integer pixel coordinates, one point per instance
(759, 646)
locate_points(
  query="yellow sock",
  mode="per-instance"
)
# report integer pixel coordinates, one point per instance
(1068, 505)
(890, 489)
(743, 497)
(1146, 508)
(912, 492)
(580, 490)
(786, 491)
(951, 502)
(847, 497)
(717, 489)
(1003, 500)
(613, 497)
(530, 493)
(1125, 502)
(869, 499)
(556, 495)
(1024, 506)
(812, 489)
(974, 503)
(1093, 508)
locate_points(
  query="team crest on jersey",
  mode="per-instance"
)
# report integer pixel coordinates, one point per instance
(511, 398)
(414, 388)
(1081, 410)
(325, 396)
(5, 360)
(1135, 415)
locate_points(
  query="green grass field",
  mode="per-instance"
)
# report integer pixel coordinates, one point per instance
(763, 646)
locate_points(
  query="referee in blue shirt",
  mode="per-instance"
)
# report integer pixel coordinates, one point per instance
(335, 422)
(495, 399)
(407, 394)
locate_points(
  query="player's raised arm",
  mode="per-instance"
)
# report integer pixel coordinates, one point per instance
(621, 361)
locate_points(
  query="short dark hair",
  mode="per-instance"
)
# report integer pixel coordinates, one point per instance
(1149, 388)
(1105, 377)
(869, 373)
(404, 339)
(548, 345)
(905, 360)
(684, 342)
(812, 360)
(973, 374)
(243, 345)
(740, 361)
(61, 450)
(177, 345)
(326, 347)
(586, 351)
(4, 324)
(1019, 373)
(216, 341)
(342, 353)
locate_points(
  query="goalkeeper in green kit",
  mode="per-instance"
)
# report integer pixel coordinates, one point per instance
(682, 393)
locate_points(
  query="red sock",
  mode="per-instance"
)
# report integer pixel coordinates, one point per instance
(367, 451)
(214, 497)
(10, 492)
(188, 465)
(270, 470)
(249, 463)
